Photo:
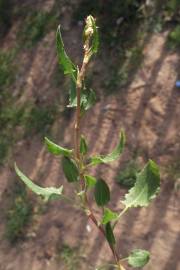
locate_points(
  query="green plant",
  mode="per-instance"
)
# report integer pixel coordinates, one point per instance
(5, 16)
(76, 162)
(172, 9)
(70, 257)
(19, 214)
(119, 75)
(7, 73)
(174, 38)
(4, 147)
(8, 114)
(38, 119)
(35, 27)
(115, 17)
(128, 174)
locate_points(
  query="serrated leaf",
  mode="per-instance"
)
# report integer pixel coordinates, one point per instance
(56, 149)
(108, 216)
(47, 193)
(64, 60)
(90, 181)
(101, 192)
(70, 170)
(146, 187)
(112, 156)
(109, 234)
(83, 146)
(138, 258)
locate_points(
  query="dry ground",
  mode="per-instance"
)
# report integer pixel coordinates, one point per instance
(149, 111)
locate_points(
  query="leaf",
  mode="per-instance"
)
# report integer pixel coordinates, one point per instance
(64, 61)
(101, 192)
(70, 170)
(95, 40)
(90, 181)
(83, 145)
(138, 258)
(56, 149)
(88, 98)
(146, 186)
(114, 155)
(47, 193)
(109, 234)
(108, 216)
(72, 95)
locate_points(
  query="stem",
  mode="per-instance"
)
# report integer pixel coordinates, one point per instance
(77, 124)
(80, 79)
(77, 127)
(101, 229)
(124, 211)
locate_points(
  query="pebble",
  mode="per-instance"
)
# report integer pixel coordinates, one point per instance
(178, 84)
(88, 228)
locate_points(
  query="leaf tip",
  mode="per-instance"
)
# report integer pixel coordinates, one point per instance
(16, 167)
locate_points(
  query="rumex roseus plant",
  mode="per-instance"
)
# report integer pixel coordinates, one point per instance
(76, 162)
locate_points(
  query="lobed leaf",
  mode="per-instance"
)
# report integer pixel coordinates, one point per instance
(109, 234)
(112, 156)
(101, 192)
(70, 170)
(146, 187)
(47, 193)
(64, 60)
(109, 216)
(138, 258)
(56, 149)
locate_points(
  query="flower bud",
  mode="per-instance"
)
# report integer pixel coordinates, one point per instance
(89, 26)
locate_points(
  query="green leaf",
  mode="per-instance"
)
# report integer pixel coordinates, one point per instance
(56, 149)
(101, 192)
(114, 155)
(83, 145)
(90, 181)
(88, 98)
(108, 216)
(138, 258)
(70, 170)
(47, 193)
(146, 186)
(72, 95)
(95, 40)
(109, 234)
(64, 61)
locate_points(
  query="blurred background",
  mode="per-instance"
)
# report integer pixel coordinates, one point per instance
(134, 75)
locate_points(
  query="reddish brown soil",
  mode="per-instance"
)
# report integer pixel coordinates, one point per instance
(149, 111)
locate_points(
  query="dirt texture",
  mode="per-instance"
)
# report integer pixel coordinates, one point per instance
(148, 110)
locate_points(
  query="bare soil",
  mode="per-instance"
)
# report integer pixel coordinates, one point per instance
(149, 110)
